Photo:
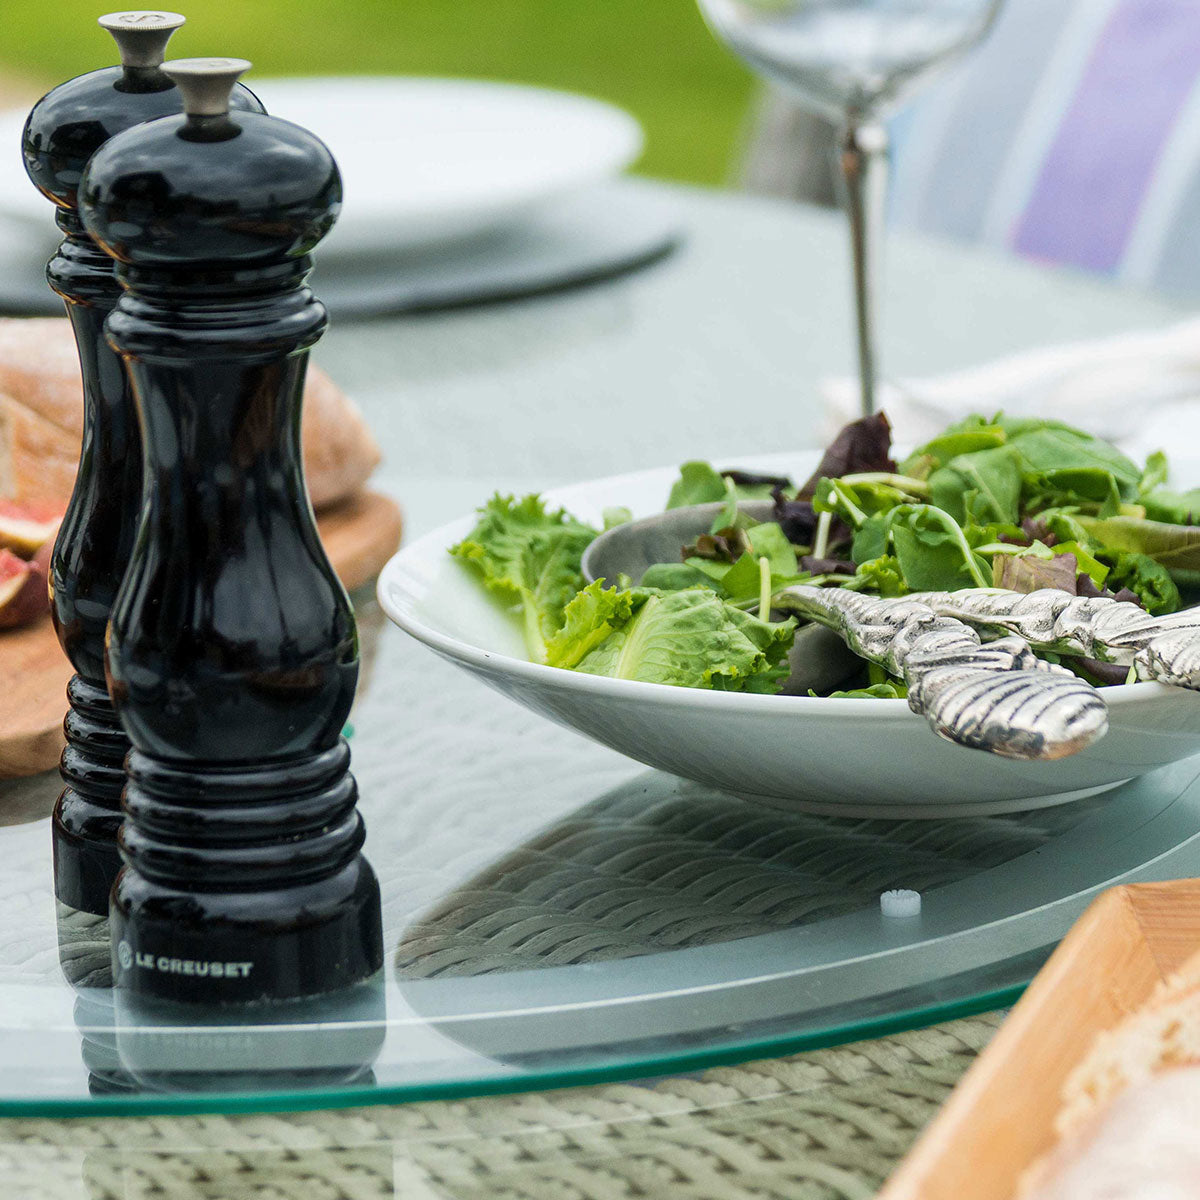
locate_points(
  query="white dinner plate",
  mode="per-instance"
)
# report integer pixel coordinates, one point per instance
(423, 160)
(857, 757)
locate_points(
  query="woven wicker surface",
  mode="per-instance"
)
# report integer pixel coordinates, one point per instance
(829, 1124)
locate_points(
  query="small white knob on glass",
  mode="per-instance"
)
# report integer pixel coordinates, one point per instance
(900, 902)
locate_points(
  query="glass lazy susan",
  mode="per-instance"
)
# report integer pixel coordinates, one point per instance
(556, 914)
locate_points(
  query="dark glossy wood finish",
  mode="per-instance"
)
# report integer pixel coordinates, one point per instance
(95, 540)
(233, 653)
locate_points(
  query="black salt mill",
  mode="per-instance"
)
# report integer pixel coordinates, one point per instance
(233, 653)
(94, 543)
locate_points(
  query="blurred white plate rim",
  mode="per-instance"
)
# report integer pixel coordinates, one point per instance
(423, 159)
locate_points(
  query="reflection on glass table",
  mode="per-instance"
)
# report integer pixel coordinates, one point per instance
(556, 913)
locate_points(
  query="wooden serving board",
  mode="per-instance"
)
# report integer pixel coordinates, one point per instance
(360, 535)
(1000, 1118)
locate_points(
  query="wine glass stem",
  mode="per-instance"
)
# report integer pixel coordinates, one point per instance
(863, 169)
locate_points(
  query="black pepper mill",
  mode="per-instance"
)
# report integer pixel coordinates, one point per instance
(94, 543)
(233, 653)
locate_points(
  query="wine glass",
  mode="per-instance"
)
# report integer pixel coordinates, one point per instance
(853, 60)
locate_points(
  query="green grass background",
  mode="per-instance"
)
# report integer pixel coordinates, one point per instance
(654, 57)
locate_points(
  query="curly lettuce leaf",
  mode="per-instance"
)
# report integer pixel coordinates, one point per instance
(880, 575)
(1150, 581)
(690, 638)
(529, 556)
(591, 616)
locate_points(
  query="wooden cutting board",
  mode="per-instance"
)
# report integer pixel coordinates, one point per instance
(359, 534)
(1000, 1118)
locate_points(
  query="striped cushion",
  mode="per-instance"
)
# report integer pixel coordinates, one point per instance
(1072, 135)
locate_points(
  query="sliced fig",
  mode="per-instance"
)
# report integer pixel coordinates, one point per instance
(24, 591)
(25, 527)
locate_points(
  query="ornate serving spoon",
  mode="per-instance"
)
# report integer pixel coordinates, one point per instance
(1164, 649)
(996, 696)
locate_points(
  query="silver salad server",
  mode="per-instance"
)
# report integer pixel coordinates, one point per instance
(996, 696)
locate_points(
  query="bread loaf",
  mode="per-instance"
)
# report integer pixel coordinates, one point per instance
(1127, 1123)
(1163, 1033)
(41, 421)
(1142, 1147)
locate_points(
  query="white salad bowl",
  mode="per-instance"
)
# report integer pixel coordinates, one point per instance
(845, 757)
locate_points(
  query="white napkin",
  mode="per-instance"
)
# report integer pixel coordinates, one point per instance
(1140, 390)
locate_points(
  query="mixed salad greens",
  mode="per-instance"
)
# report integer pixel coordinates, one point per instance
(1020, 504)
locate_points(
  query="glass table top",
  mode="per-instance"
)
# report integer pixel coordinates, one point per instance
(555, 913)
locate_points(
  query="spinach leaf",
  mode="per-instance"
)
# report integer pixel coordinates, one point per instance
(1173, 508)
(1071, 487)
(733, 571)
(1086, 562)
(1024, 466)
(713, 569)
(1154, 473)
(982, 487)
(870, 540)
(1176, 547)
(769, 541)
(743, 581)
(1050, 446)
(674, 577)
(728, 517)
(877, 691)
(698, 483)
(954, 442)
(932, 551)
